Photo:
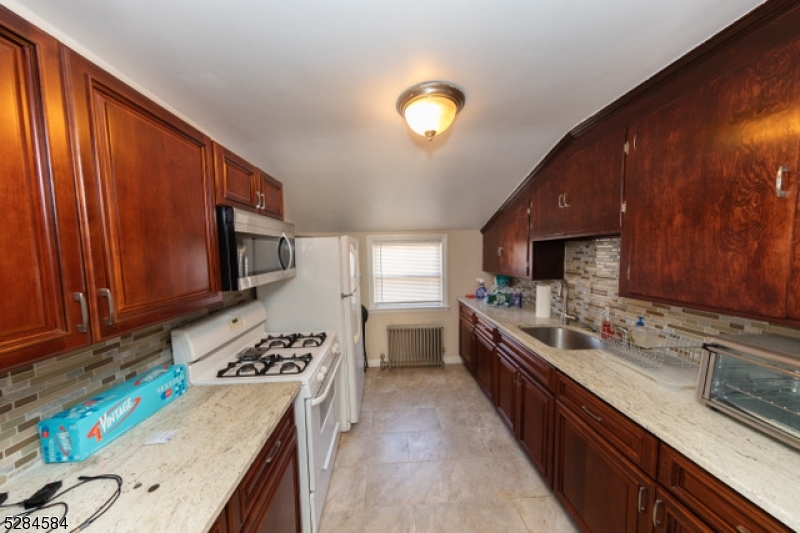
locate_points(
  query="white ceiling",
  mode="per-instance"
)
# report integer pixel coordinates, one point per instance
(306, 89)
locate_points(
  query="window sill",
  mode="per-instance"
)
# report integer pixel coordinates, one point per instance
(420, 309)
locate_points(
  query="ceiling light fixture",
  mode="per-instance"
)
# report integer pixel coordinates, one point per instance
(430, 107)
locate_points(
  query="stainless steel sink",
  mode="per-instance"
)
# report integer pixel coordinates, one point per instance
(563, 338)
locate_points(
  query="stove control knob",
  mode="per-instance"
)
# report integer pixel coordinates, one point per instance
(320, 377)
(336, 350)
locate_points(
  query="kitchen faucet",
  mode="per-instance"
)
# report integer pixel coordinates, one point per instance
(563, 291)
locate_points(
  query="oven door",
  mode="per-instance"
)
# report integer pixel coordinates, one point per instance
(322, 428)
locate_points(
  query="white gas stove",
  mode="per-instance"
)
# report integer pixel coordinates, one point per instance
(233, 346)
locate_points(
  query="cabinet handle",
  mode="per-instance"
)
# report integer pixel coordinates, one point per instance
(111, 315)
(274, 452)
(779, 181)
(561, 201)
(588, 412)
(499, 251)
(742, 529)
(656, 522)
(83, 327)
(566, 199)
(263, 201)
(258, 200)
(642, 495)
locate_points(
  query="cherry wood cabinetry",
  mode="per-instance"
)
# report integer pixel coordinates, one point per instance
(268, 498)
(271, 196)
(506, 388)
(506, 248)
(149, 231)
(581, 193)
(601, 489)
(705, 225)
(41, 270)
(609, 473)
(485, 356)
(466, 336)
(240, 184)
(719, 506)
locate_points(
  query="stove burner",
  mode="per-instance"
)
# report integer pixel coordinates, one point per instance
(254, 362)
(293, 340)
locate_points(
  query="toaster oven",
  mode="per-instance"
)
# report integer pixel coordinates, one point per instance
(754, 379)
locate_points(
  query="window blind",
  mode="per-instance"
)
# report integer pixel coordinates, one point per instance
(407, 273)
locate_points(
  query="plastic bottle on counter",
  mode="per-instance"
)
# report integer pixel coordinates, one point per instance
(480, 292)
(606, 330)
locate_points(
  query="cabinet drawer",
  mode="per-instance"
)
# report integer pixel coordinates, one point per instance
(628, 437)
(466, 313)
(720, 506)
(485, 329)
(261, 470)
(528, 361)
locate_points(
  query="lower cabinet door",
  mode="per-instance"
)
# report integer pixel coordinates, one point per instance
(536, 412)
(484, 365)
(222, 524)
(505, 390)
(598, 486)
(669, 516)
(278, 507)
(466, 343)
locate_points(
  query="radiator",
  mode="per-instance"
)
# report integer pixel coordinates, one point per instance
(414, 345)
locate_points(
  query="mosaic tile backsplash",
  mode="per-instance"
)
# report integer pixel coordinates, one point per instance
(37, 391)
(592, 271)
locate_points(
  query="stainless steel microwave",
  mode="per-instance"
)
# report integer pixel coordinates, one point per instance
(253, 249)
(756, 380)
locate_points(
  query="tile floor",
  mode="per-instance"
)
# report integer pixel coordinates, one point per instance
(430, 454)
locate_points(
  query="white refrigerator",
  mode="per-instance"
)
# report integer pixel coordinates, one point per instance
(325, 295)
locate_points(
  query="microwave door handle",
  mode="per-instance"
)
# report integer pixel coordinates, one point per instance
(770, 357)
(331, 378)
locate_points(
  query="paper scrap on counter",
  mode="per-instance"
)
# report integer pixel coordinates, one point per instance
(162, 437)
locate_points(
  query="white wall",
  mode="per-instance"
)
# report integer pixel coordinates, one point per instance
(464, 257)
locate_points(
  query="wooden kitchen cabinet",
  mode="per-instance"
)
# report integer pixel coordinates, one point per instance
(268, 498)
(669, 516)
(506, 248)
(581, 193)
(149, 229)
(506, 388)
(599, 487)
(705, 226)
(466, 336)
(271, 196)
(715, 503)
(240, 184)
(485, 356)
(535, 429)
(41, 270)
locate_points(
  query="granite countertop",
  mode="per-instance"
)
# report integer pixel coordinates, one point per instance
(221, 429)
(761, 469)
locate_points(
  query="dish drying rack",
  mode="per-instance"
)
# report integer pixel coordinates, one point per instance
(665, 357)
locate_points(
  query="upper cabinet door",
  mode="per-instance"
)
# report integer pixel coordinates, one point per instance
(271, 196)
(238, 183)
(148, 205)
(592, 188)
(705, 225)
(41, 269)
(506, 242)
(580, 194)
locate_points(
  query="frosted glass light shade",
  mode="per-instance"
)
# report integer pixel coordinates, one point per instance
(430, 108)
(430, 115)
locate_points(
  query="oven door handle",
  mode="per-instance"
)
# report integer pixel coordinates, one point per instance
(331, 377)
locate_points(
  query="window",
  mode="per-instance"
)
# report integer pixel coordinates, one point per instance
(407, 272)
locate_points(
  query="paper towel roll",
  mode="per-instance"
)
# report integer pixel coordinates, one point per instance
(543, 293)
